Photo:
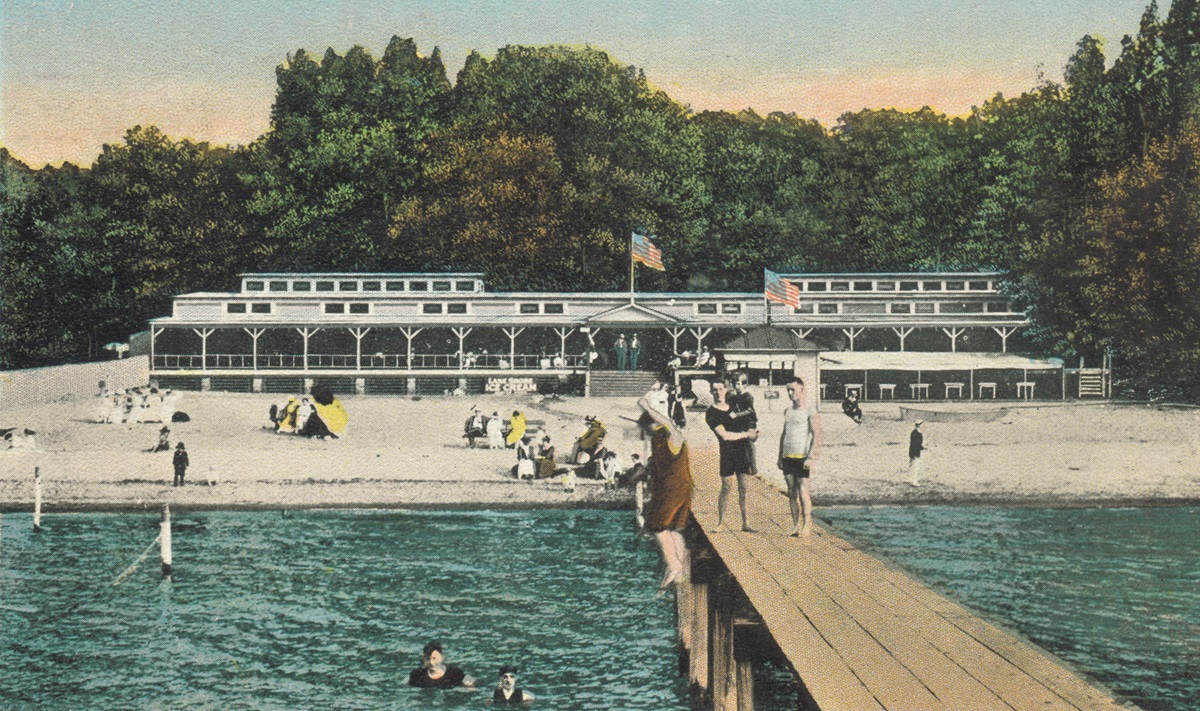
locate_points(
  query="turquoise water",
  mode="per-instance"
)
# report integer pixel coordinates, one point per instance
(329, 610)
(1115, 592)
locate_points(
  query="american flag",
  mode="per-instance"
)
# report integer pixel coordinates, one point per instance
(779, 289)
(645, 252)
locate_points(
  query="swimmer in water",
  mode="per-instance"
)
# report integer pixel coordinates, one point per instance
(506, 691)
(434, 673)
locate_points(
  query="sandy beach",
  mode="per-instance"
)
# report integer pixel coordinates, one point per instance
(405, 452)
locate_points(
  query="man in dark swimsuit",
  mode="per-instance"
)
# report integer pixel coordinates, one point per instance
(506, 691)
(735, 452)
(434, 674)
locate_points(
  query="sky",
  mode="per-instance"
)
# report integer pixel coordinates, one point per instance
(75, 75)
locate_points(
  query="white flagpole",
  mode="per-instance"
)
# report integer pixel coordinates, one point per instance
(631, 267)
(766, 304)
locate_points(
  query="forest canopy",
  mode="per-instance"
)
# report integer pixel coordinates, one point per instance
(534, 165)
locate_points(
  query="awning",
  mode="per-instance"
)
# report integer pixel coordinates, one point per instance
(908, 360)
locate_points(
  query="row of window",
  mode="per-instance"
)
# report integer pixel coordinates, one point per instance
(331, 285)
(977, 307)
(363, 307)
(915, 285)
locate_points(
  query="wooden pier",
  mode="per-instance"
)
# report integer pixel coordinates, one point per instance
(858, 634)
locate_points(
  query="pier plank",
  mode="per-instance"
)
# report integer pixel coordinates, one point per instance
(862, 634)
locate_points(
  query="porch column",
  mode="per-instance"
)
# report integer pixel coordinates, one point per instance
(675, 334)
(1004, 332)
(254, 334)
(801, 332)
(409, 334)
(903, 333)
(358, 334)
(306, 332)
(512, 334)
(852, 333)
(153, 332)
(203, 333)
(953, 334)
(700, 333)
(462, 334)
(562, 339)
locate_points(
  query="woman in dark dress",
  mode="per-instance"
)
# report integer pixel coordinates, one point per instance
(435, 674)
(670, 504)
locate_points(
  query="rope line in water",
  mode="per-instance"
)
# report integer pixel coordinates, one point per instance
(141, 559)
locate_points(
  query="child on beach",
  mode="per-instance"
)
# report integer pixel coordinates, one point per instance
(180, 462)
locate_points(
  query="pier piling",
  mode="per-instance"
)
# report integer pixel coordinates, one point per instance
(165, 540)
(37, 500)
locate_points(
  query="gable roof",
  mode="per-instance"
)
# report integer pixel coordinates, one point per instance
(769, 338)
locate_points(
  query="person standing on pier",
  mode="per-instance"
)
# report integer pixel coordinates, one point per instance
(916, 445)
(798, 447)
(733, 444)
(670, 504)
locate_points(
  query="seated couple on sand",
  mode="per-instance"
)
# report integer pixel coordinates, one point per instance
(434, 673)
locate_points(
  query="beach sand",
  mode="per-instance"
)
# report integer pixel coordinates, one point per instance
(401, 452)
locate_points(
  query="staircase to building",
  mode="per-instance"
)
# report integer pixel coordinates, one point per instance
(613, 383)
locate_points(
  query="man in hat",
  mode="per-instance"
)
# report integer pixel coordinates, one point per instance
(916, 444)
(506, 691)
(181, 464)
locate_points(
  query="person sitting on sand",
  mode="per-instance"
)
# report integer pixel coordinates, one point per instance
(525, 467)
(506, 691)
(545, 459)
(474, 427)
(164, 440)
(434, 673)
(851, 407)
(495, 431)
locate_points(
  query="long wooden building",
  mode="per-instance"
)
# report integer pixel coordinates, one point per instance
(433, 332)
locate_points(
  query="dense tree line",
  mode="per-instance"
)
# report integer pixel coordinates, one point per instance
(534, 165)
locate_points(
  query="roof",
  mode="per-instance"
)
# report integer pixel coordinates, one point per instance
(768, 338)
(910, 360)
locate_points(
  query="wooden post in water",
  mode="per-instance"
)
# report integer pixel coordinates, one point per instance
(745, 685)
(37, 500)
(698, 674)
(165, 540)
(722, 666)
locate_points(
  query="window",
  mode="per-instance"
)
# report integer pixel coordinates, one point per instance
(902, 308)
(978, 286)
(254, 286)
(885, 286)
(528, 308)
(827, 308)
(347, 286)
(235, 308)
(552, 308)
(260, 308)
(301, 286)
(278, 286)
(395, 286)
(464, 286)
(441, 286)
(360, 308)
(706, 308)
(839, 286)
(431, 308)
(731, 308)
(924, 308)
(955, 286)
(324, 286)
(862, 286)
(961, 308)
(994, 307)
(908, 286)
(370, 286)
(805, 308)
(456, 308)
(418, 286)
(335, 308)
(931, 286)
(817, 286)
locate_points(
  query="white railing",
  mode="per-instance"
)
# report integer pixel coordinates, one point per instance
(373, 361)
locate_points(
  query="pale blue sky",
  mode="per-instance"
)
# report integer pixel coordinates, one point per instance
(75, 75)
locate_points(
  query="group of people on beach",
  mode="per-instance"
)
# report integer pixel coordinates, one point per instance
(435, 673)
(317, 415)
(141, 404)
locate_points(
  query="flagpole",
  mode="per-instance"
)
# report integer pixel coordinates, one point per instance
(631, 267)
(766, 306)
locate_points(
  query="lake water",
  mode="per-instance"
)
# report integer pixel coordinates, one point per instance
(329, 610)
(1115, 592)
